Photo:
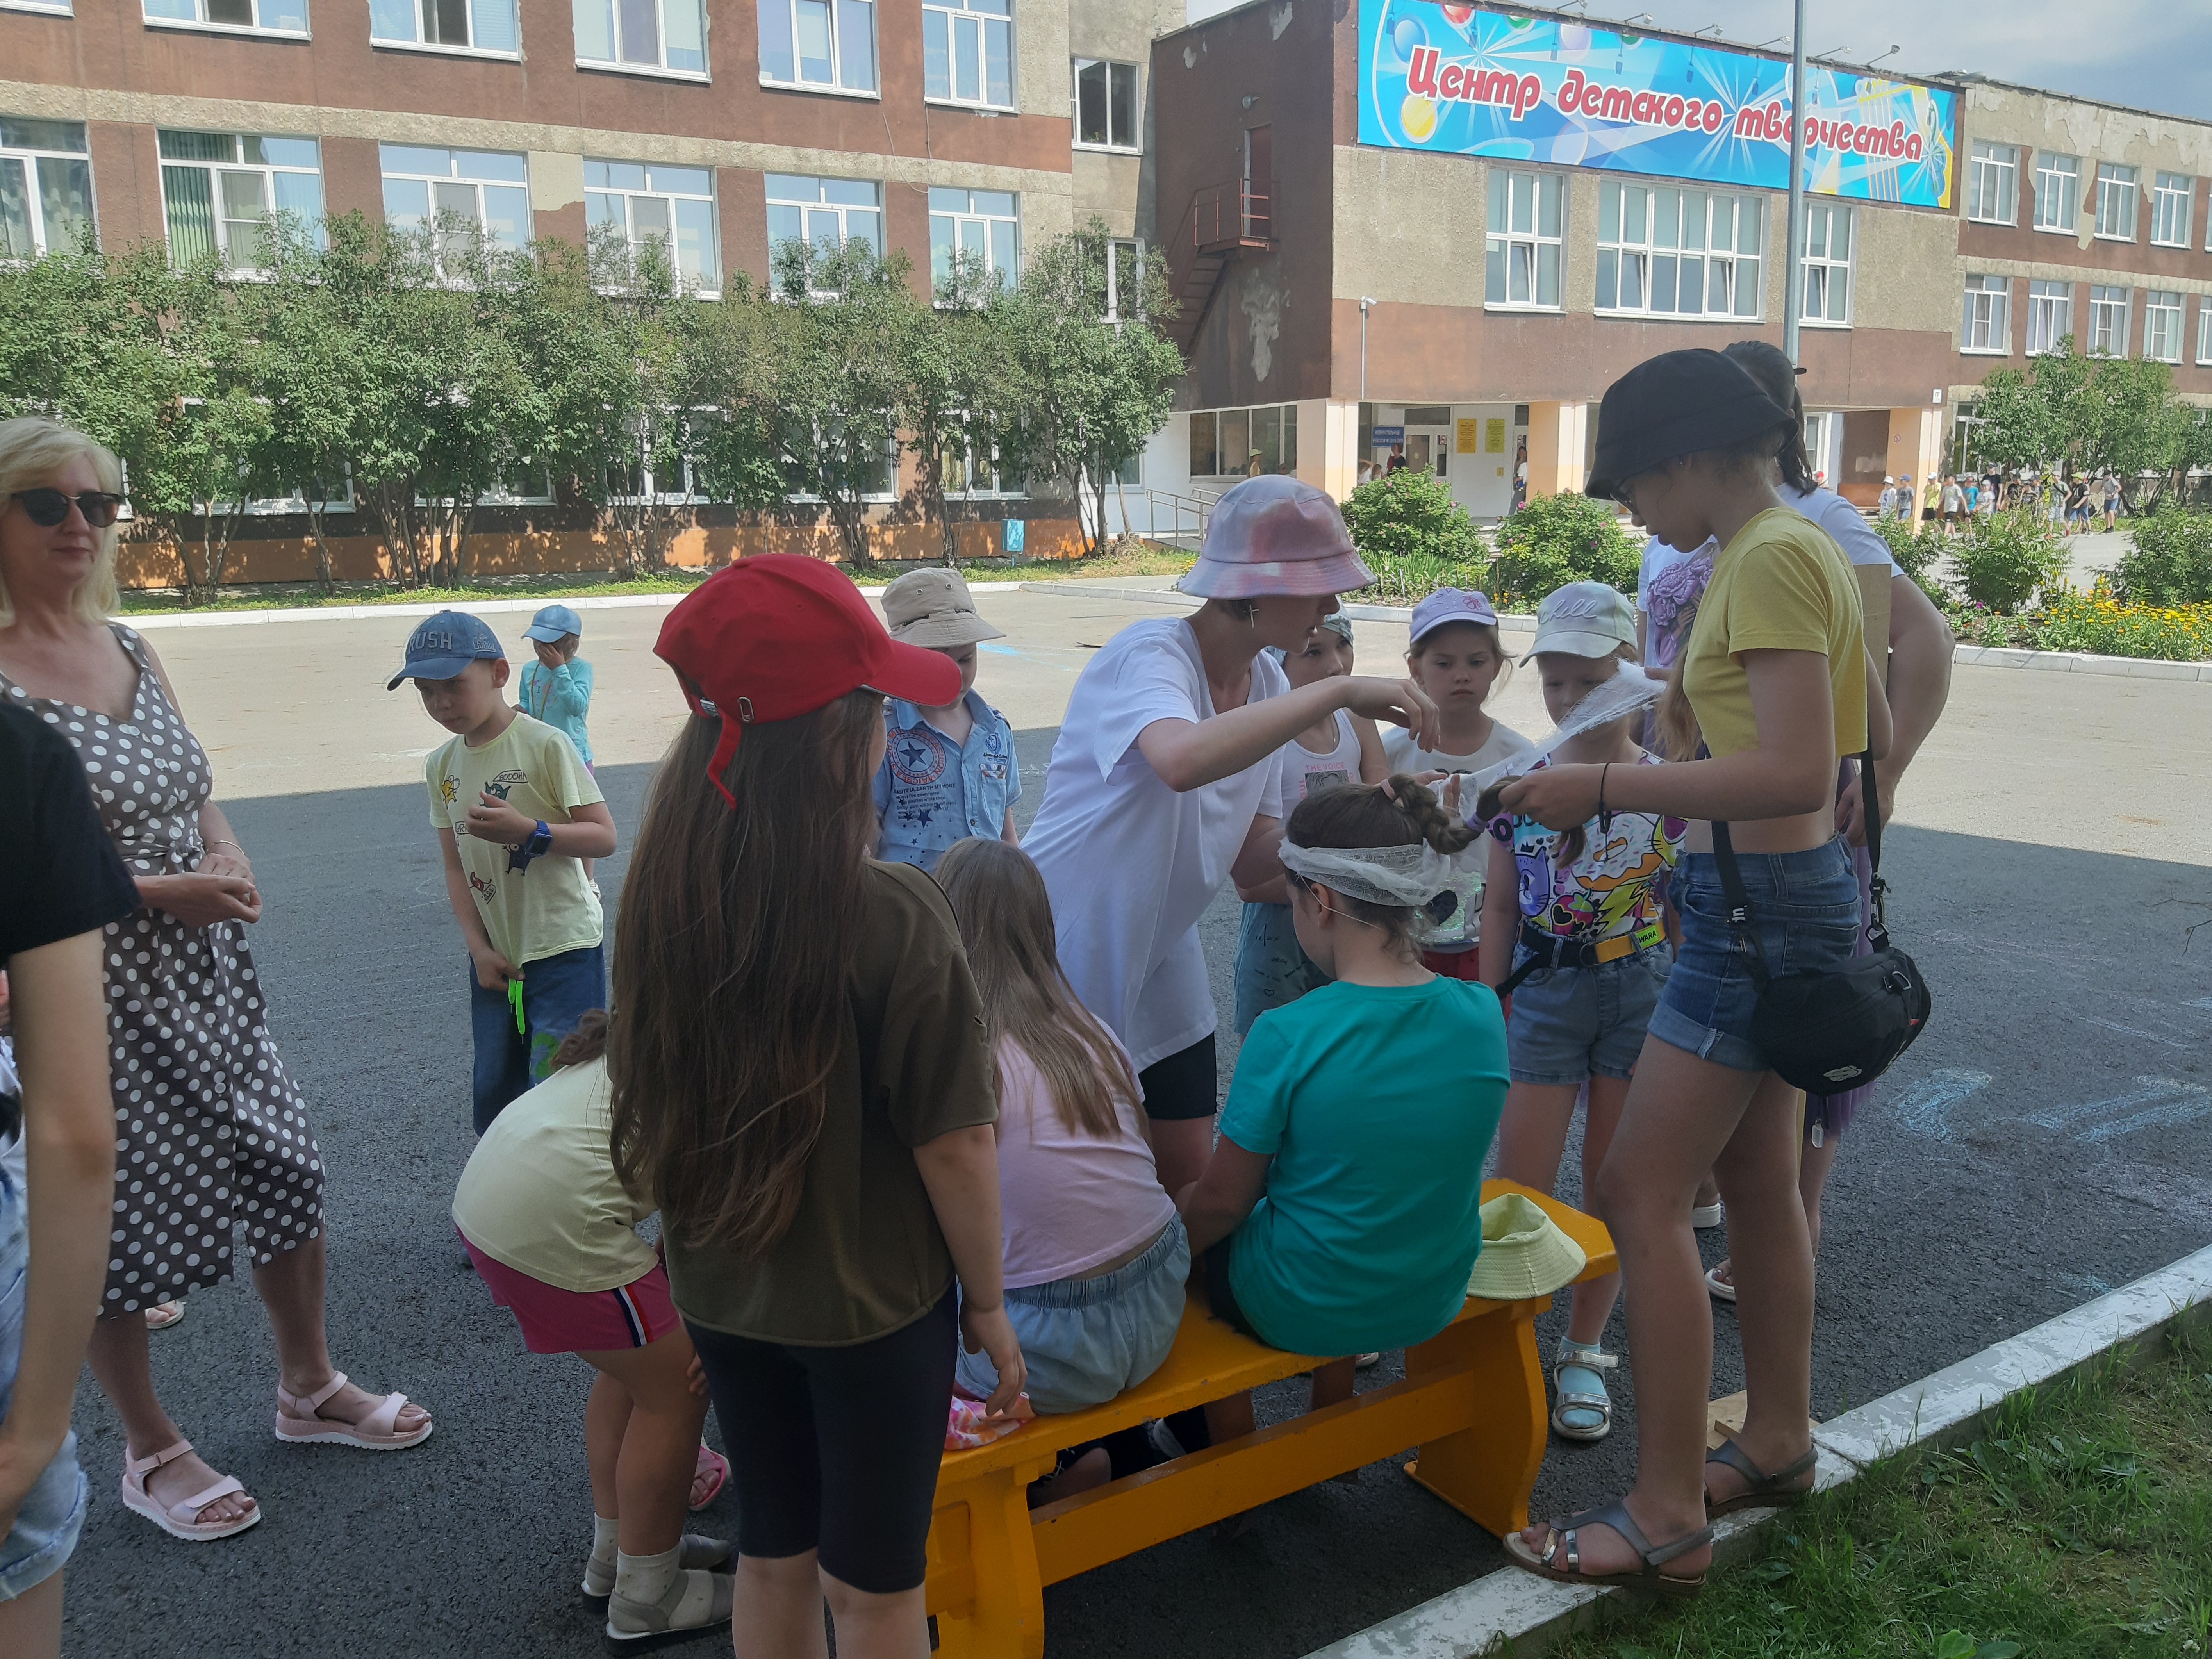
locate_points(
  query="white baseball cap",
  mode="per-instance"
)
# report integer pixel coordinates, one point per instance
(1584, 619)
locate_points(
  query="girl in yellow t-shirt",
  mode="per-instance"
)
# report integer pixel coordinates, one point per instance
(1775, 671)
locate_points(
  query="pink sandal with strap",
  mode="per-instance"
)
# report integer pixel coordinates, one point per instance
(181, 1518)
(298, 1420)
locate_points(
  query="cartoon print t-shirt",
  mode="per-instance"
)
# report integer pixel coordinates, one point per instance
(549, 907)
(1617, 886)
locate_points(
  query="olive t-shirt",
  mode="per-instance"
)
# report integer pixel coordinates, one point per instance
(865, 1255)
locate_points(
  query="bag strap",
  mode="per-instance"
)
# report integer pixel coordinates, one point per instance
(1739, 901)
(1870, 806)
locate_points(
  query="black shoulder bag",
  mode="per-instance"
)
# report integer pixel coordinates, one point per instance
(1831, 1032)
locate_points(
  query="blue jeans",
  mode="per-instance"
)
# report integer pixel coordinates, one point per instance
(52, 1512)
(1570, 1024)
(557, 992)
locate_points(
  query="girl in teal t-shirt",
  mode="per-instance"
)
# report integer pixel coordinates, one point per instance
(1341, 1210)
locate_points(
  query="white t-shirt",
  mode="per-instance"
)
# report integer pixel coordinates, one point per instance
(1462, 929)
(1130, 864)
(1845, 525)
(1304, 771)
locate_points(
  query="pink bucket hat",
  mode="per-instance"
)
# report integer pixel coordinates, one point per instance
(1275, 535)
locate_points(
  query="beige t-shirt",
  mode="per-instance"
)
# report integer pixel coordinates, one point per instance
(539, 1193)
(550, 908)
(1462, 929)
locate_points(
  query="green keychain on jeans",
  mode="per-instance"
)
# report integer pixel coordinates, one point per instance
(514, 996)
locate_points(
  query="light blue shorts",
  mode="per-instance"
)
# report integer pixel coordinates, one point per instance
(1086, 1339)
(1272, 968)
(52, 1514)
(1570, 1024)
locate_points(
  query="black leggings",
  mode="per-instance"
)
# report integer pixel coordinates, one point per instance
(836, 1449)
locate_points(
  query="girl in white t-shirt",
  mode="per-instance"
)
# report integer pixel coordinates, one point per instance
(1271, 968)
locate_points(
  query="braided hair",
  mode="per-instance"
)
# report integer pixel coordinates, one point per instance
(1398, 813)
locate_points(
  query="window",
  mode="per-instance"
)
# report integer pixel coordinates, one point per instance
(968, 52)
(2116, 201)
(669, 35)
(1106, 105)
(1222, 441)
(61, 8)
(1678, 252)
(828, 44)
(649, 203)
(480, 188)
(2108, 321)
(1993, 183)
(2049, 316)
(2171, 198)
(2204, 328)
(2058, 191)
(219, 189)
(1827, 264)
(1524, 245)
(974, 469)
(2162, 326)
(825, 212)
(1989, 315)
(46, 188)
(486, 26)
(1124, 269)
(982, 224)
(266, 16)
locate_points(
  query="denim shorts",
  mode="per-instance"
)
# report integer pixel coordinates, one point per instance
(1805, 908)
(1086, 1339)
(1570, 1024)
(52, 1513)
(1272, 968)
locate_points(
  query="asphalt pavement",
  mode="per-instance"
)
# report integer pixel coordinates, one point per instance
(2049, 1137)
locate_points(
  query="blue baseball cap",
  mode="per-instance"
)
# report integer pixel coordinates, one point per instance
(443, 645)
(552, 622)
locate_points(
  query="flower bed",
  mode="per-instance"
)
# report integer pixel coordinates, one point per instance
(2093, 622)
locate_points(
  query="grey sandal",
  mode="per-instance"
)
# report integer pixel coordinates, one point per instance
(1578, 1399)
(1561, 1536)
(1766, 1491)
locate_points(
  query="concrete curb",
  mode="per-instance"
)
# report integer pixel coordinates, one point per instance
(1529, 1613)
(484, 608)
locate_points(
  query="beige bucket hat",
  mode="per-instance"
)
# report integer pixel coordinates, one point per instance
(1525, 1253)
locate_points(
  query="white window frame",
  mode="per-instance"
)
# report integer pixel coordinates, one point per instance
(57, 8)
(817, 207)
(2052, 303)
(651, 190)
(2101, 304)
(1822, 267)
(2172, 205)
(1988, 317)
(960, 220)
(1509, 250)
(2057, 207)
(1134, 144)
(238, 167)
(1286, 419)
(1119, 250)
(1993, 183)
(951, 15)
(1617, 250)
(839, 18)
(382, 12)
(2118, 188)
(997, 492)
(2163, 307)
(200, 22)
(454, 176)
(35, 195)
(2204, 328)
(891, 451)
(660, 66)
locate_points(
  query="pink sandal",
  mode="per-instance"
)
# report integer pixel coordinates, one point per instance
(710, 1472)
(181, 1518)
(298, 1420)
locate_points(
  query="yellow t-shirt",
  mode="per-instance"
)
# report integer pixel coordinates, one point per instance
(1781, 585)
(550, 908)
(539, 1193)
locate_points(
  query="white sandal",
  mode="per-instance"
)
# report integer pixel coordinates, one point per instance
(1568, 1401)
(181, 1518)
(298, 1420)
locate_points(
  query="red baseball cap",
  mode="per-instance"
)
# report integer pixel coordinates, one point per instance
(775, 636)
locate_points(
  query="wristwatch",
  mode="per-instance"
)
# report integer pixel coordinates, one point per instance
(536, 845)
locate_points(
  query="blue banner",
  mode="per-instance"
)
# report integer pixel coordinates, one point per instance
(1465, 82)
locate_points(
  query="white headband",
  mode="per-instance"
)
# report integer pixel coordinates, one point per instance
(1403, 875)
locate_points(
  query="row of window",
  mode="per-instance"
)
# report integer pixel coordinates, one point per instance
(2107, 331)
(2121, 199)
(1662, 250)
(825, 45)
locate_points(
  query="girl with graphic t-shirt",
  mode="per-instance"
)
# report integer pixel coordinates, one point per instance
(1577, 922)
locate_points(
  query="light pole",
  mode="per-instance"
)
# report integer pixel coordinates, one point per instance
(1794, 266)
(1364, 302)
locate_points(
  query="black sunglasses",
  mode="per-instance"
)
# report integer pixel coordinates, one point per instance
(48, 508)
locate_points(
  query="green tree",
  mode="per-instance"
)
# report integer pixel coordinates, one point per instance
(733, 357)
(1557, 539)
(1410, 513)
(308, 377)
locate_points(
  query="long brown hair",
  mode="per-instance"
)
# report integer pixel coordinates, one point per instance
(1366, 815)
(738, 929)
(1006, 922)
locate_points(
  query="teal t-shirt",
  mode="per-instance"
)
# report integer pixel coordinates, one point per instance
(1378, 1105)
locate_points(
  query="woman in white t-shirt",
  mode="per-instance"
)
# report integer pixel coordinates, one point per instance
(1167, 779)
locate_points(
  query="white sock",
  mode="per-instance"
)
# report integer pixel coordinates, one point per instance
(607, 1539)
(646, 1578)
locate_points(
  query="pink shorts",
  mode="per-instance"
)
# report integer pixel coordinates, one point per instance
(554, 1321)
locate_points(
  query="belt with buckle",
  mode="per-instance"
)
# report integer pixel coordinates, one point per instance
(1551, 951)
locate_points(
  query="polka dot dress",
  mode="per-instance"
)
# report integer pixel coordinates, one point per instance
(211, 1134)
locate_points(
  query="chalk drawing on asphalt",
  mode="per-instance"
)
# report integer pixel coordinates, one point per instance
(1924, 1105)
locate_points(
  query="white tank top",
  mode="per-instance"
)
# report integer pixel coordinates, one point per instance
(1303, 771)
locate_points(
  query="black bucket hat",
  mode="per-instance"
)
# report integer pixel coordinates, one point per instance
(1677, 404)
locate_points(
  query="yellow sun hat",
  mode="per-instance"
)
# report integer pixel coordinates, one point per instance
(1525, 1253)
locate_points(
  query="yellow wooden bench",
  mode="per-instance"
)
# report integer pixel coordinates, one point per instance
(1471, 1400)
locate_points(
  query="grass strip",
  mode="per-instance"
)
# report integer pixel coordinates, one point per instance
(2076, 1525)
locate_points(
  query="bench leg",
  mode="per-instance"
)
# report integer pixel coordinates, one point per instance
(1487, 1471)
(1004, 1619)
